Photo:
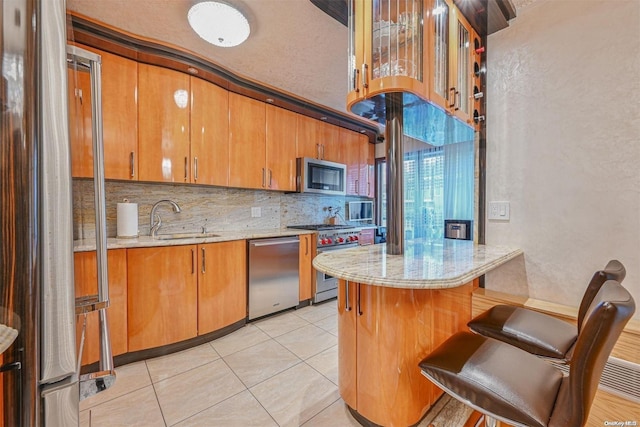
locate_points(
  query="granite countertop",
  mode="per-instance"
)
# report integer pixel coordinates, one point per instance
(222, 236)
(425, 264)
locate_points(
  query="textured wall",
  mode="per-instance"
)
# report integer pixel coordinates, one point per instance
(215, 208)
(563, 145)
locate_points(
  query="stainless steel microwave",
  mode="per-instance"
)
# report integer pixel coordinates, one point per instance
(321, 176)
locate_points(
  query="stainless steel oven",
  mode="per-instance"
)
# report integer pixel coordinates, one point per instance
(330, 238)
(326, 285)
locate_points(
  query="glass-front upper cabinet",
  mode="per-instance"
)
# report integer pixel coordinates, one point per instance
(450, 61)
(386, 48)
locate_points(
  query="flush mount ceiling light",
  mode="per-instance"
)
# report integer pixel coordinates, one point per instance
(219, 23)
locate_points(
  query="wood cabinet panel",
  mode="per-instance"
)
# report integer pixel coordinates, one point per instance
(222, 285)
(86, 283)
(347, 340)
(393, 336)
(281, 132)
(329, 139)
(307, 141)
(307, 253)
(162, 296)
(383, 334)
(209, 133)
(247, 152)
(352, 152)
(119, 118)
(80, 122)
(366, 175)
(163, 135)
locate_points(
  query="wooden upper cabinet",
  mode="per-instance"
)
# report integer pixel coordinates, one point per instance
(386, 48)
(308, 137)
(209, 133)
(119, 118)
(451, 68)
(462, 66)
(351, 143)
(80, 123)
(281, 133)
(163, 136)
(366, 176)
(86, 284)
(162, 295)
(319, 140)
(332, 149)
(222, 285)
(247, 151)
(360, 159)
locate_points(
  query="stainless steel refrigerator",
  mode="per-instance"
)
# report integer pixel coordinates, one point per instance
(41, 384)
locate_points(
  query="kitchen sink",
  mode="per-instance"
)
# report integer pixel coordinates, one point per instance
(192, 235)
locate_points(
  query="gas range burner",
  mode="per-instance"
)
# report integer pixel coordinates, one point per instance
(320, 227)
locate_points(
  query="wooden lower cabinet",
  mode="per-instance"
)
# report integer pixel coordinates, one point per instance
(179, 292)
(163, 292)
(86, 283)
(222, 285)
(307, 253)
(383, 333)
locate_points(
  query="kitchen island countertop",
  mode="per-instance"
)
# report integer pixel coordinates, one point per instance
(425, 264)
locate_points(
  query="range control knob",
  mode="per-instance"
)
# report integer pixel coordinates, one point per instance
(340, 240)
(329, 241)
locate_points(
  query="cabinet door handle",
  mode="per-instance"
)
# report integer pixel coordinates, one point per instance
(186, 165)
(193, 261)
(368, 188)
(365, 67)
(132, 164)
(457, 101)
(195, 168)
(355, 79)
(306, 245)
(318, 154)
(452, 97)
(347, 307)
(357, 186)
(264, 178)
(204, 258)
(358, 300)
(270, 177)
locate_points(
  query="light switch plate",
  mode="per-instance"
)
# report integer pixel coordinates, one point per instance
(498, 211)
(256, 212)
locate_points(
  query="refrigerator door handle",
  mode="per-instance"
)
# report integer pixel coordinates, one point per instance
(101, 380)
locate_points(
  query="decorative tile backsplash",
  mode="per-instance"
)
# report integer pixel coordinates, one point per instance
(214, 208)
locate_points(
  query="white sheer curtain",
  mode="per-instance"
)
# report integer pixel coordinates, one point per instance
(459, 180)
(424, 193)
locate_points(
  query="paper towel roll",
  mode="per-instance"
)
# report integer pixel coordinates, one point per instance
(127, 219)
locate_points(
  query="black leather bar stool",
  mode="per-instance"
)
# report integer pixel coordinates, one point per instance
(539, 333)
(511, 385)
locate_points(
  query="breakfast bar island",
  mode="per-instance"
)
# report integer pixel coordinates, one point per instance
(393, 310)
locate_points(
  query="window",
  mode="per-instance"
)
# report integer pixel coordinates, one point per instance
(438, 185)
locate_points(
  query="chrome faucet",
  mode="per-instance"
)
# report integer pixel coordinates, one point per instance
(155, 221)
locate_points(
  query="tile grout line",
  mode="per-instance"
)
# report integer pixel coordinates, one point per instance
(155, 393)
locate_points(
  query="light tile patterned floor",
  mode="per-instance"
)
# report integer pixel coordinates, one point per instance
(279, 371)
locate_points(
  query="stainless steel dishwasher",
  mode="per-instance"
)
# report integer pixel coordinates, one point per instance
(274, 278)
